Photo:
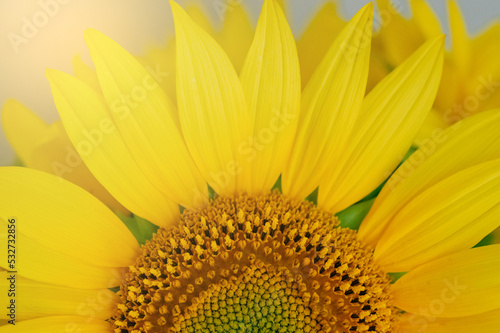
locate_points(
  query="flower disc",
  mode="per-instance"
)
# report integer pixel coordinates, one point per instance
(255, 264)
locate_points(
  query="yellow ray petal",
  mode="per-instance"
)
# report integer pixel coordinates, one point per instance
(425, 18)
(271, 82)
(147, 121)
(85, 73)
(198, 14)
(330, 105)
(16, 115)
(453, 215)
(63, 217)
(469, 142)
(59, 324)
(93, 133)
(211, 103)
(449, 100)
(482, 323)
(57, 155)
(160, 62)
(390, 117)
(463, 284)
(398, 36)
(433, 125)
(311, 49)
(459, 38)
(484, 61)
(41, 263)
(47, 148)
(236, 35)
(35, 299)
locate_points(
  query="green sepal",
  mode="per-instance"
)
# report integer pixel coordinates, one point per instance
(142, 229)
(352, 216)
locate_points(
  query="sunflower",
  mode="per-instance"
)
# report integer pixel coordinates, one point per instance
(255, 259)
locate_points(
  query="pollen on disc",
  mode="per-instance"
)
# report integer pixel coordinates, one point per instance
(255, 264)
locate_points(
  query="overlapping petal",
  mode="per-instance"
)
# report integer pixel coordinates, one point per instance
(148, 122)
(330, 105)
(212, 108)
(75, 223)
(463, 284)
(236, 35)
(90, 127)
(271, 82)
(389, 120)
(59, 324)
(67, 236)
(311, 49)
(482, 323)
(453, 215)
(47, 148)
(35, 299)
(468, 143)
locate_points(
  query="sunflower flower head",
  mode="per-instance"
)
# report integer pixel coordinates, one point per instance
(254, 259)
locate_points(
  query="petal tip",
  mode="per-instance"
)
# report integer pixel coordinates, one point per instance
(9, 104)
(93, 37)
(176, 8)
(365, 15)
(52, 74)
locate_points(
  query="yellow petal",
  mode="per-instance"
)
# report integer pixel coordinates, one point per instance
(449, 100)
(459, 38)
(198, 14)
(65, 218)
(93, 133)
(57, 155)
(160, 61)
(41, 263)
(482, 323)
(211, 104)
(311, 49)
(85, 73)
(488, 45)
(425, 18)
(47, 148)
(59, 324)
(390, 117)
(453, 215)
(271, 82)
(433, 125)
(147, 121)
(469, 142)
(330, 105)
(23, 128)
(400, 37)
(236, 35)
(463, 284)
(35, 299)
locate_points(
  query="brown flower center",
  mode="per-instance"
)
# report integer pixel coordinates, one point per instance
(255, 264)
